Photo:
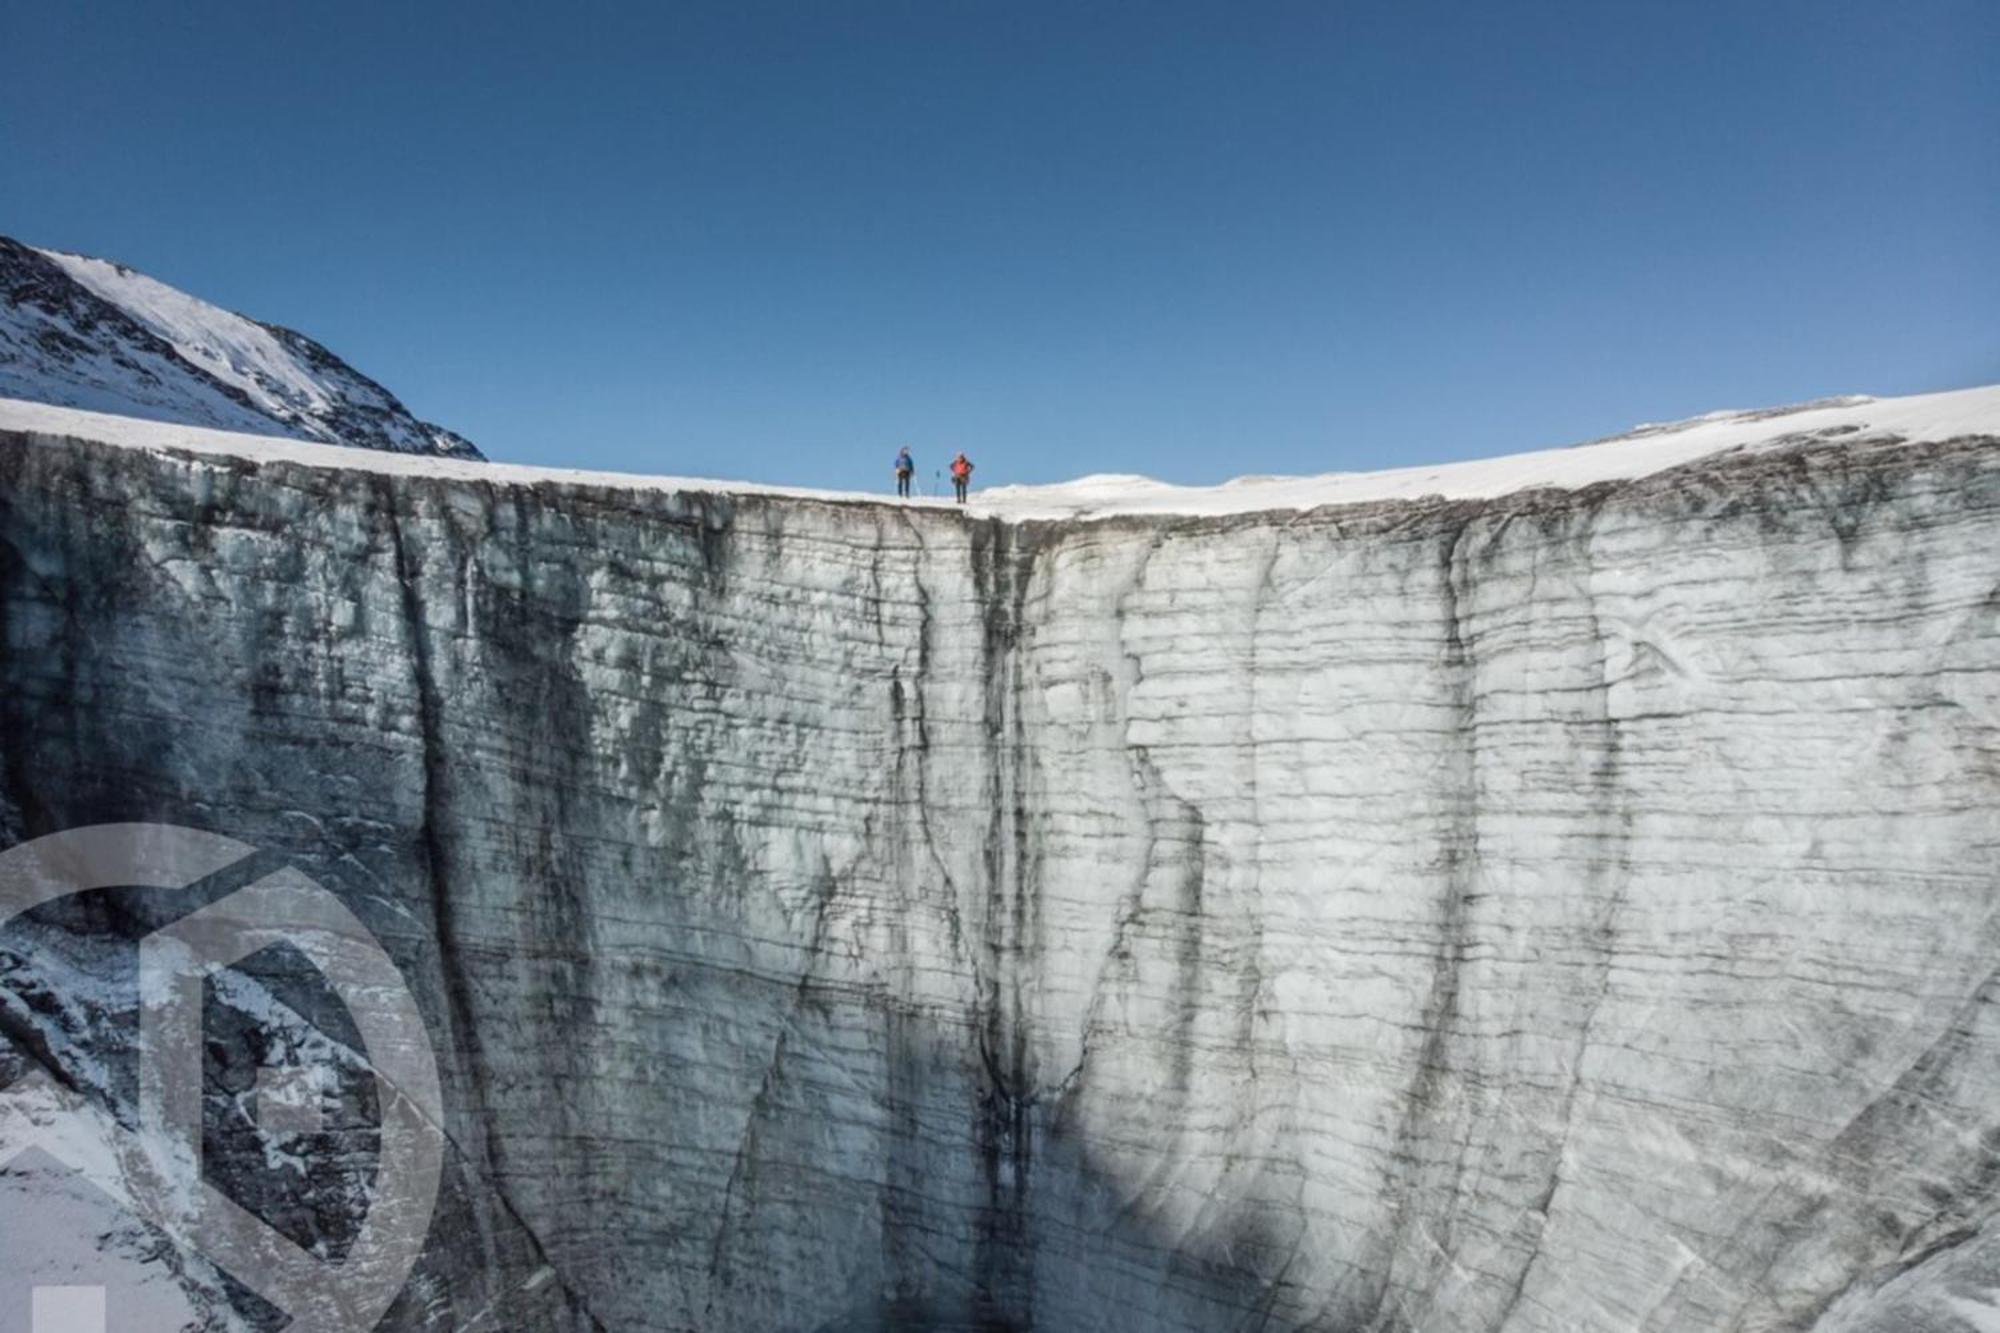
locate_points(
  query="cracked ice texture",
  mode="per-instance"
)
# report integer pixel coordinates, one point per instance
(1570, 910)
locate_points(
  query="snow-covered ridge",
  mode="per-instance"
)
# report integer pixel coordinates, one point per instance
(1915, 419)
(87, 333)
(1650, 448)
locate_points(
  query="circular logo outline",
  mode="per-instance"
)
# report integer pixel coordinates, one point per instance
(158, 1175)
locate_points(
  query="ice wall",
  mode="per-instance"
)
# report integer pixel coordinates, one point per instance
(1573, 910)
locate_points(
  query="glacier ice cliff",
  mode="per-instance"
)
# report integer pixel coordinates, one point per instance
(1566, 909)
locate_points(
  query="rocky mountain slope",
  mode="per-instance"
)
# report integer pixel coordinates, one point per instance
(88, 333)
(1569, 907)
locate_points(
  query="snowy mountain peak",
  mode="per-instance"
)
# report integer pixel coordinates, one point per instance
(82, 332)
(1745, 416)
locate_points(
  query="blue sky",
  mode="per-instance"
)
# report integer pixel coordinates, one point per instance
(774, 241)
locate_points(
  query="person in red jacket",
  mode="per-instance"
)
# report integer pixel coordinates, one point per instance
(961, 475)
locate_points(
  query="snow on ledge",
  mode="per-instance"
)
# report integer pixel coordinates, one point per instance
(1922, 418)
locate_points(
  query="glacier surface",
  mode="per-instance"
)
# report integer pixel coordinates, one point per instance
(1558, 895)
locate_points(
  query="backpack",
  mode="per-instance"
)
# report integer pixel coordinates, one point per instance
(961, 467)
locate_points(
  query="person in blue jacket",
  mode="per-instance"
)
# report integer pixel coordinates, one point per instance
(906, 467)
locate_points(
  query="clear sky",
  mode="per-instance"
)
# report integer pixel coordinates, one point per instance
(774, 241)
